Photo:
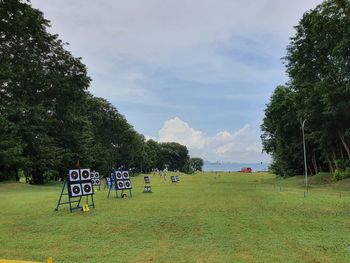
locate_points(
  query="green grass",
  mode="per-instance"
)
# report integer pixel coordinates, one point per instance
(207, 217)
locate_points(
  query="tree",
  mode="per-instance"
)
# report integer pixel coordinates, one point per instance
(42, 87)
(317, 65)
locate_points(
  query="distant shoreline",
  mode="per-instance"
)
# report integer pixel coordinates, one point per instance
(233, 167)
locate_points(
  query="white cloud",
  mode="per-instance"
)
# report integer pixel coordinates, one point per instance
(176, 130)
(181, 36)
(242, 145)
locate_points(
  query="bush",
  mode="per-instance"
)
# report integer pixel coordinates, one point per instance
(49, 175)
(341, 174)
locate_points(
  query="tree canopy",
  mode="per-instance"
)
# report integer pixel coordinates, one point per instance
(49, 120)
(318, 91)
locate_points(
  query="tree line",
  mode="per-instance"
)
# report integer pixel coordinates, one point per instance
(317, 93)
(48, 118)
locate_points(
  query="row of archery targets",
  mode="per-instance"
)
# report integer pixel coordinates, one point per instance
(79, 187)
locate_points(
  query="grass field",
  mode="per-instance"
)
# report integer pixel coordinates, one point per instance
(207, 217)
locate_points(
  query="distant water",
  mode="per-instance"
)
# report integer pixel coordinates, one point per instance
(233, 167)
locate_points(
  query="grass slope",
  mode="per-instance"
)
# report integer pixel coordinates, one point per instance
(207, 217)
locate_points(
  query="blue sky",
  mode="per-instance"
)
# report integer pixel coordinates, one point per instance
(198, 72)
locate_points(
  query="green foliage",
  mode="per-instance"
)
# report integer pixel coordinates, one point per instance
(343, 170)
(318, 91)
(48, 119)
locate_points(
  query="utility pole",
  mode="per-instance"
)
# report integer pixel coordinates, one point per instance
(305, 165)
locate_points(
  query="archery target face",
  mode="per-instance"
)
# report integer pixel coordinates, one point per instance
(75, 190)
(147, 179)
(120, 185)
(93, 174)
(97, 175)
(125, 175)
(85, 174)
(74, 175)
(127, 184)
(118, 175)
(96, 181)
(87, 189)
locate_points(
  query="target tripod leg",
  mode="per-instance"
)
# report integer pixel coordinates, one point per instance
(109, 191)
(78, 205)
(130, 192)
(92, 200)
(59, 200)
(70, 204)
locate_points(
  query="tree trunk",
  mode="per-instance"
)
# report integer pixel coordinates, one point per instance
(314, 162)
(343, 140)
(17, 175)
(334, 160)
(330, 164)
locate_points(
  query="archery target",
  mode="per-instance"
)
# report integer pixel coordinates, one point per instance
(120, 185)
(147, 179)
(118, 175)
(85, 174)
(147, 188)
(97, 175)
(93, 174)
(125, 175)
(96, 181)
(74, 175)
(173, 179)
(87, 189)
(75, 190)
(127, 184)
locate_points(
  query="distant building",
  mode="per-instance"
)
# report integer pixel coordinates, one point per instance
(246, 170)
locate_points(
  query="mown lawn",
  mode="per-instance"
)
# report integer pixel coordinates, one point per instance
(207, 217)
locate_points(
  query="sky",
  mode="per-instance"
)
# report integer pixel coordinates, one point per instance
(196, 72)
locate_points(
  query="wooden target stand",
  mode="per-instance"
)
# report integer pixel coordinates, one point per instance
(74, 202)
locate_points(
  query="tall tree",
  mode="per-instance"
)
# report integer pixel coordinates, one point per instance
(317, 63)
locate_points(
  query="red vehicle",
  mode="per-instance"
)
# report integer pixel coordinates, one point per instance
(246, 170)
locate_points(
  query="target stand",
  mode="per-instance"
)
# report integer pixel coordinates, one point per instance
(75, 187)
(121, 182)
(175, 179)
(147, 186)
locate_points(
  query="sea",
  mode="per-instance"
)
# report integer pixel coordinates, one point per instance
(233, 167)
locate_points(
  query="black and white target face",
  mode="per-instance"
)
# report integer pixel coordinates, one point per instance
(97, 182)
(85, 174)
(120, 185)
(75, 190)
(125, 175)
(74, 175)
(127, 184)
(87, 189)
(118, 175)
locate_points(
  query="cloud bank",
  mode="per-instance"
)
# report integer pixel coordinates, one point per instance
(242, 145)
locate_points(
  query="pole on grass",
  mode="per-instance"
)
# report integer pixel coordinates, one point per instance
(305, 165)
